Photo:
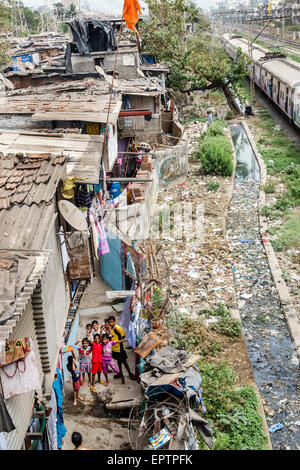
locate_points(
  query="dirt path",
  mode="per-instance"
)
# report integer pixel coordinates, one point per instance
(102, 429)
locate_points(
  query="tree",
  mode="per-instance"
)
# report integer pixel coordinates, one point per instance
(59, 11)
(206, 66)
(196, 62)
(5, 18)
(33, 19)
(71, 12)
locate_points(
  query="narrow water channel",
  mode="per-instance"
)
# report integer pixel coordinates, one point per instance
(271, 351)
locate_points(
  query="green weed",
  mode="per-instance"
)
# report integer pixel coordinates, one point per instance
(213, 186)
(233, 412)
(269, 187)
(288, 234)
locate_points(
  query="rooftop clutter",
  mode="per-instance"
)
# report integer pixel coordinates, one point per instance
(93, 34)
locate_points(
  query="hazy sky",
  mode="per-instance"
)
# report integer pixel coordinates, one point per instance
(110, 6)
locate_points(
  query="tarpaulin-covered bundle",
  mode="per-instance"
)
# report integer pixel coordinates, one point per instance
(93, 35)
(171, 361)
(167, 414)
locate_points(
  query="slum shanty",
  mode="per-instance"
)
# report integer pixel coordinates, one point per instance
(142, 306)
(85, 130)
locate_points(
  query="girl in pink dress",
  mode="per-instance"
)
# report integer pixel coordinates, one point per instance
(107, 356)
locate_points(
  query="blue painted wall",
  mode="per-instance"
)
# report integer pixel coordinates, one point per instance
(110, 264)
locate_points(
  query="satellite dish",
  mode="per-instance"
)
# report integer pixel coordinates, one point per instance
(73, 215)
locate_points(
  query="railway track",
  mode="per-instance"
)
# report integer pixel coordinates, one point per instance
(277, 42)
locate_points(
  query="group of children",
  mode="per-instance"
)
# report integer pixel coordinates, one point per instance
(98, 349)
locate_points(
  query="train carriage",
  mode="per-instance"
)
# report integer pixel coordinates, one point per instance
(279, 78)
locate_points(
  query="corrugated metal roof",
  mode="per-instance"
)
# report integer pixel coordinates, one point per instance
(62, 107)
(23, 288)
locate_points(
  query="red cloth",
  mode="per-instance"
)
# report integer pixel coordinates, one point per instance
(96, 367)
(97, 352)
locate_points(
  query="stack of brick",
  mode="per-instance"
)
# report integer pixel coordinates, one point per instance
(137, 190)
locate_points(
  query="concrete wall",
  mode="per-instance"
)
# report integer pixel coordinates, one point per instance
(172, 164)
(55, 298)
(127, 63)
(22, 122)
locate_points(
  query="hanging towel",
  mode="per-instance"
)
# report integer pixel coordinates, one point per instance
(6, 424)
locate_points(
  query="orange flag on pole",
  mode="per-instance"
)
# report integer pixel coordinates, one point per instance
(130, 13)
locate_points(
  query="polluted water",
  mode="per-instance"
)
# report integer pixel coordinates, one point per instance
(271, 351)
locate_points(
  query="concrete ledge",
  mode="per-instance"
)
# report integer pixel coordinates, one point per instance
(289, 310)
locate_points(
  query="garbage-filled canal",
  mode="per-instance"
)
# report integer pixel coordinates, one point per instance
(271, 351)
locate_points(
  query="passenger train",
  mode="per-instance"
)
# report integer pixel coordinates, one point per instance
(278, 77)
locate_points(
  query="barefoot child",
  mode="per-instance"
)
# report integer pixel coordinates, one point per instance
(96, 361)
(85, 359)
(76, 377)
(107, 356)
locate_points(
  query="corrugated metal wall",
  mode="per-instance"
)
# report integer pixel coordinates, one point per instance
(20, 407)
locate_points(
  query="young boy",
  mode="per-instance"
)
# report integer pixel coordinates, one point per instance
(118, 351)
(76, 377)
(89, 332)
(107, 346)
(96, 361)
(95, 329)
(77, 441)
(105, 329)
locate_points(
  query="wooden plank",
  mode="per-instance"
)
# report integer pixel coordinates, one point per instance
(67, 136)
(38, 144)
(119, 294)
(73, 116)
(129, 180)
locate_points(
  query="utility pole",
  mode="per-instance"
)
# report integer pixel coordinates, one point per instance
(251, 75)
(283, 26)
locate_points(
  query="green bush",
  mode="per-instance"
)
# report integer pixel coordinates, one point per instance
(269, 187)
(216, 155)
(216, 128)
(288, 235)
(213, 186)
(229, 115)
(232, 411)
(228, 326)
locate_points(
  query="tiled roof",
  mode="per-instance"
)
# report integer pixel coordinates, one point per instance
(28, 178)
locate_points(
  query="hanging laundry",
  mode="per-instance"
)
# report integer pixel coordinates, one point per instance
(67, 189)
(51, 422)
(98, 230)
(3, 443)
(20, 377)
(60, 427)
(92, 128)
(6, 424)
(82, 196)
